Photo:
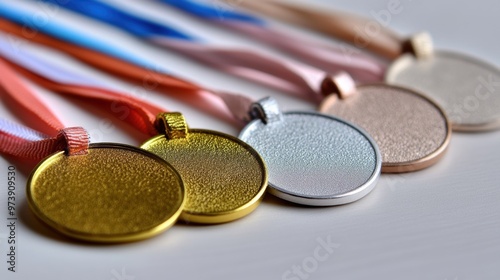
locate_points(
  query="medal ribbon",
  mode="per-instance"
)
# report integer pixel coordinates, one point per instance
(359, 31)
(279, 73)
(141, 114)
(20, 141)
(229, 106)
(323, 56)
(24, 142)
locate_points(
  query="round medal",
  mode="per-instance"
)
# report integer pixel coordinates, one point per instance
(466, 88)
(313, 159)
(225, 178)
(115, 193)
(411, 131)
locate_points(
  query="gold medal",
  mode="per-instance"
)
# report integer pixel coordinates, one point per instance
(115, 193)
(224, 177)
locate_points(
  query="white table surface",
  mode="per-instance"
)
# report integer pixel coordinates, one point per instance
(439, 223)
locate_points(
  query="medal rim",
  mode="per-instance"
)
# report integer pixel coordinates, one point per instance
(230, 215)
(413, 165)
(104, 238)
(331, 200)
(408, 59)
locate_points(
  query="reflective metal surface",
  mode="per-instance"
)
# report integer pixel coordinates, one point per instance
(466, 88)
(411, 131)
(314, 159)
(225, 178)
(115, 193)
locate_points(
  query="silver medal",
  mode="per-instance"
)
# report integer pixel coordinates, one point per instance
(313, 159)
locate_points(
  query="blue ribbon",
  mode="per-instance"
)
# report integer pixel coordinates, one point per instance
(136, 25)
(214, 11)
(59, 31)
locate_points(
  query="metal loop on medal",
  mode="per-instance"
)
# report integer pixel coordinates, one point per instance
(77, 140)
(267, 110)
(173, 125)
(341, 83)
(420, 45)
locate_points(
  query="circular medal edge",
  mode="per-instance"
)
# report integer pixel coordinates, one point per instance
(114, 238)
(414, 165)
(407, 58)
(345, 198)
(240, 212)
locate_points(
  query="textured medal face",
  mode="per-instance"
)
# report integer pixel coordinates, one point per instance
(315, 159)
(225, 178)
(466, 88)
(411, 131)
(115, 193)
